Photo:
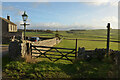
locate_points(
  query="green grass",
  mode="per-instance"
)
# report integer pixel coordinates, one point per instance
(91, 34)
(90, 39)
(66, 69)
(44, 69)
(89, 45)
(39, 34)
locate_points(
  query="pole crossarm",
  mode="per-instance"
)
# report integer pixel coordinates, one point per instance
(24, 29)
(24, 24)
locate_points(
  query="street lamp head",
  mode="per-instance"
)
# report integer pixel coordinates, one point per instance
(24, 16)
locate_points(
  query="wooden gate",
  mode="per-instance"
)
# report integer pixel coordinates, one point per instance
(54, 53)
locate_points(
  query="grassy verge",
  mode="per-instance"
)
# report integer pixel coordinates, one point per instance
(44, 69)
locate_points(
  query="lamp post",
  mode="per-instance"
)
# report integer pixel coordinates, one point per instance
(24, 16)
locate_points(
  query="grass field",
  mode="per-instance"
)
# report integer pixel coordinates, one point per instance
(90, 39)
(39, 34)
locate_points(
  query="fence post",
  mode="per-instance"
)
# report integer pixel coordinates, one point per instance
(76, 53)
(108, 38)
(31, 49)
(27, 44)
(29, 52)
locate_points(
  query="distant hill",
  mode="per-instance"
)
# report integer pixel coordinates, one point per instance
(33, 30)
(78, 30)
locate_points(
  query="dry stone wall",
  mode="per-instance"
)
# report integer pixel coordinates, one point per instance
(49, 42)
(98, 54)
(18, 49)
(14, 50)
(23, 50)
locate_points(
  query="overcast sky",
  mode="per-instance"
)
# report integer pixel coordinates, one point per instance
(63, 15)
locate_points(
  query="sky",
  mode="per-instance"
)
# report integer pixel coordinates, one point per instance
(63, 15)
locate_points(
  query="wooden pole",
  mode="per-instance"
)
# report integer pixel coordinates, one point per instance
(31, 49)
(108, 38)
(28, 48)
(76, 53)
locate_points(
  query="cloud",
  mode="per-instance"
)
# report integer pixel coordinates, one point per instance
(101, 2)
(103, 21)
(55, 26)
(57, 0)
(113, 3)
(94, 24)
(0, 9)
(111, 19)
(12, 8)
(19, 12)
(35, 4)
(26, 0)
